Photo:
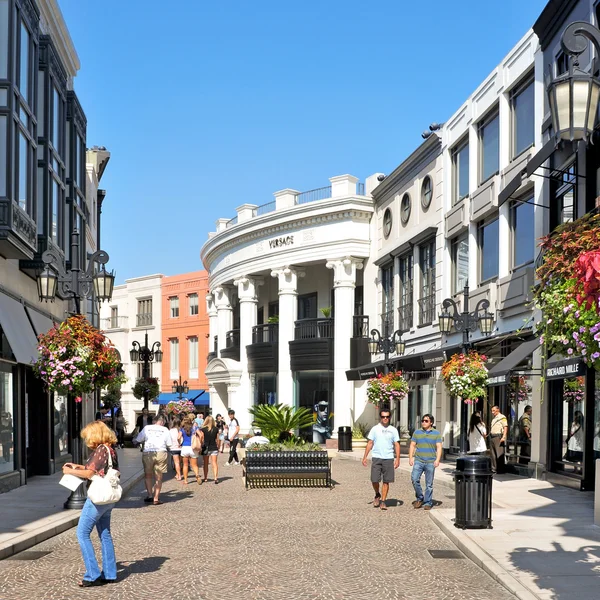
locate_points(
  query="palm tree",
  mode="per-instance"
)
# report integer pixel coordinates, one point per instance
(280, 418)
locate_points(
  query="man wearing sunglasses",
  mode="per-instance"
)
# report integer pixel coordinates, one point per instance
(424, 456)
(384, 440)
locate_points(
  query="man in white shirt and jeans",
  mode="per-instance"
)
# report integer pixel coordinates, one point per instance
(232, 435)
(156, 439)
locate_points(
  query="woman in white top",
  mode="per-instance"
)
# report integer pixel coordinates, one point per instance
(176, 447)
(477, 434)
(575, 438)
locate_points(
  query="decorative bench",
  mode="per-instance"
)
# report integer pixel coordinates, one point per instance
(287, 469)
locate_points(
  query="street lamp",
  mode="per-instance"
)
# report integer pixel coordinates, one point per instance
(465, 322)
(76, 284)
(386, 344)
(573, 96)
(180, 388)
(146, 355)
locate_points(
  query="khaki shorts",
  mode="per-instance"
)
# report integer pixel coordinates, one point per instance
(154, 462)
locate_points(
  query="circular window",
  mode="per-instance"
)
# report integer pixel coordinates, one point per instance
(387, 223)
(426, 192)
(405, 209)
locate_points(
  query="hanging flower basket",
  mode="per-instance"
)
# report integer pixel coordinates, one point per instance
(143, 384)
(75, 358)
(574, 390)
(385, 388)
(466, 376)
(519, 390)
(179, 407)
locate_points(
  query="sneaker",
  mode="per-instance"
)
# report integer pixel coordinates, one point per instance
(227, 464)
(417, 504)
(235, 462)
(427, 507)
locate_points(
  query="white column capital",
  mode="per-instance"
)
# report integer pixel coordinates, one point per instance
(211, 309)
(288, 278)
(344, 270)
(222, 296)
(248, 288)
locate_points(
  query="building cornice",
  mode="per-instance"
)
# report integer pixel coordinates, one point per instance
(552, 19)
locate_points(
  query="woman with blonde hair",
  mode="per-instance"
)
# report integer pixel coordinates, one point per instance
(210, 448)
(100, 440)
(188, 456)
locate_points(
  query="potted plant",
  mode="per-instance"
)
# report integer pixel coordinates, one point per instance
(273, 319)
(146, 384)
(280, 420)
(359, 435)
(385, 388)
(325, 327)
(466, 376)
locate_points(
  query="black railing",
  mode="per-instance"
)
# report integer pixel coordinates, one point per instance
(267, 333)
(263, 209)
(405, 315)
(427, 309)
(306, 329)
(360, 326)
(143, 319)
(232, 339)
(314, 195)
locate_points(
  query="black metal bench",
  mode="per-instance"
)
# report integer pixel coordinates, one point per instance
(287, 469)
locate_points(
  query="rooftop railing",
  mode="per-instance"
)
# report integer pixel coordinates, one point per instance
(314, 195)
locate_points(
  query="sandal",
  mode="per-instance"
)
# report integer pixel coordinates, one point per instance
(383, 505)
(205, 480)
(376, 500)
(157, 502)
(216, 481)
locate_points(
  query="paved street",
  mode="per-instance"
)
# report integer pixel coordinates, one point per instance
(216, 540)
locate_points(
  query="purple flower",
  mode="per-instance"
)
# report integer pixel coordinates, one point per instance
(566, 309)
(582, 330)
(570, 351)
(597, 337)
(577, 313)
(541, 339)
(565, 342)
(575, 335)
(596, 355)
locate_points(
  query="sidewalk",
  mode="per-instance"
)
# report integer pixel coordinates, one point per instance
(34, 512)
(544, 543)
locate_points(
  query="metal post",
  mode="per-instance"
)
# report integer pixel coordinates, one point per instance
(146, 368)
(464, 408)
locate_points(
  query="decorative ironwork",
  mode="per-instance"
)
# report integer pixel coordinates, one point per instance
(360, 326)
(267, 333)
(306, 329)
(314, 195)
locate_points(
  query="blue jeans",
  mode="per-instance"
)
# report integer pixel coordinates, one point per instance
(418, 469)
(96, 515)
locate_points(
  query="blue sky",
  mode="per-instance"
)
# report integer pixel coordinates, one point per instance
(208, 105)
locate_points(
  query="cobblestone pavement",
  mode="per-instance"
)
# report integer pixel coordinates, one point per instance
(218, 541)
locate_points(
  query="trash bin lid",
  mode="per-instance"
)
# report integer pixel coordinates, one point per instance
(474, 464)
(344, 429)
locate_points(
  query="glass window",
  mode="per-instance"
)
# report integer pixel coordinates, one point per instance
(3, 39)
(174, 358)
(488, 250)
(426, 192)
(314, 390)
(427, 292)
(24, 63)
(523, 234)
(3, 154)
(387, 297)
(114, 317)
(405, 308)
(523, 121)
(144, 314)
(193, 356)
(193, 304)
(264, 387)
(61, 426)
(55, 211)
(23, 171)
(563, 194)
(460, 262)
(405, 209)
(55, 119)
(489, 143)
(40, 200)
(460, 173)
(174, 303)
(7, 427)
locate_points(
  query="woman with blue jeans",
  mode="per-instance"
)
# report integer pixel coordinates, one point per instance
(100, 439)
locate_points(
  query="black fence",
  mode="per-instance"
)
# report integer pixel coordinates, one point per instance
(267, 333)
(306, 329)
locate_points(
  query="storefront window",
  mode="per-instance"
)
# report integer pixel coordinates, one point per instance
(420, 402)
(314, 391)
(7, 429)
(61, 427)
(265, 388)
(518, 444)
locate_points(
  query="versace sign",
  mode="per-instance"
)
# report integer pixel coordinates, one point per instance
(281, 242)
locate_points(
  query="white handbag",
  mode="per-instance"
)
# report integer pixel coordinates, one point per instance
(107, 489)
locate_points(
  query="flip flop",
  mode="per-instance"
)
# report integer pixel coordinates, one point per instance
(157, 502)
(376, 501)
(383, 505)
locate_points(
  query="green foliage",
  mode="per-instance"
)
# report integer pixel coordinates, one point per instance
(280, 418)
(112, 397)
(142, 384)
(295, 446)
(326, 312)
(273, 319)
(360, 430)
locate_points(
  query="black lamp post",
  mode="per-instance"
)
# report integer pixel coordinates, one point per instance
(76, 284)
(180, 388)
(146, 355)
(386, 344)
(465, 322)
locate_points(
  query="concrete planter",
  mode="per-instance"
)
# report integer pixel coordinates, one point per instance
(359, 443)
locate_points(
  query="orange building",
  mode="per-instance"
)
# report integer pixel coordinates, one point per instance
(185, 333)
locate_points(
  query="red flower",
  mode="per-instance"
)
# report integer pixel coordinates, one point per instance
(587, 269)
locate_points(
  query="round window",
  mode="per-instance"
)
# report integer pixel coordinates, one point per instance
(405, 209)
(387, 223)
(426, 192)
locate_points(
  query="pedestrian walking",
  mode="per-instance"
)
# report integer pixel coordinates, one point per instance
(498, 435)
(525, 436)
(424, 456)
(156, 439)
(210, 450)
(188, 455)
(477, 434)
(199, 420)
(384, 440)
(233, 430)
(100, 440)
(175, 449)
(221, 427)
(144, 419)
(120, 426)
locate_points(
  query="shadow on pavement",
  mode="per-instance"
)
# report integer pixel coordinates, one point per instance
(149, 564)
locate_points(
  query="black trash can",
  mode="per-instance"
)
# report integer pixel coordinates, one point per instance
(473, 492)
(345, 439)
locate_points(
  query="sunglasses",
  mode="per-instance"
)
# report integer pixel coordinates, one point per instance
(425, 421)
(385, 416)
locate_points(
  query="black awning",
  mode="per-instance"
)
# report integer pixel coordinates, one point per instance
(17, 329)
(500, 373)
(365, 371)
(41, 323)
(423, 361)
(559, 367)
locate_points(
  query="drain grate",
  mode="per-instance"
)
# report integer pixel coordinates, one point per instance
(28, 555)
(446, 554)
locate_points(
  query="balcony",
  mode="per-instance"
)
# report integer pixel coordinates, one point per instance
(143, 319)
(263, 352)
(306, 329)
(113, 323)
(405, 315)
(215, 352)
(359, 343)
(427, 309)
(312, 347)
(232, 345)
(18, 232)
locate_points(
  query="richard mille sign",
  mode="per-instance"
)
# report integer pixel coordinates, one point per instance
(281, 242)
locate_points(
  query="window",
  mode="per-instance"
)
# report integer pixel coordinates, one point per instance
(460, 262)
(488, 250)
(427, 299)
(387, 298)
(522, 100)
(55, 211)
(24, 63)
(114, 317)
(56, 120)
(140, 369)
(273, 309)
(193, 357)
(426, 192)
(489, 148)
(174, 304)
(144, 313)
(24, 192)
(4, 12)
(523, 234)
(387, 223)
(562, 64)
(307, 306)
(563, 196)
(193, 304)
(405, 308)
(174, 358)
(460, 172)
(405, 209)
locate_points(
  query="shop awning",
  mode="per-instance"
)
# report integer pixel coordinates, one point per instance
(193, 395)
(561, 367)
(365, 371)
(500, 374)
(41, 323)
(17, 329)
(423, 361)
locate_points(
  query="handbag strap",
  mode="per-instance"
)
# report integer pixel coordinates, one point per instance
(110, 462)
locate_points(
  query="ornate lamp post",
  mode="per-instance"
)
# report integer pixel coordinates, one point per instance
(465, 322)
(180, 388)
(386, 344)
(146, 355)
(76, 284)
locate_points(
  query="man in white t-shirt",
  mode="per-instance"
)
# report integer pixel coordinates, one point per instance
(384, 440)
(232, 435)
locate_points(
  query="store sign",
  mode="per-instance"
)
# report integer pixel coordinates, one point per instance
(367, 373)
(565, 368)
(498, 380)
(431, 361)
(281, 242)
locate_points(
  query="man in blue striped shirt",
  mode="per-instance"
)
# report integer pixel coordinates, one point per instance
(424, 456)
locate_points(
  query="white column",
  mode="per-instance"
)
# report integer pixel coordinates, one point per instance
(217, 405)
(224, 313)
(344, 283)
(211, 311)
(288, 313)
(248, 299)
